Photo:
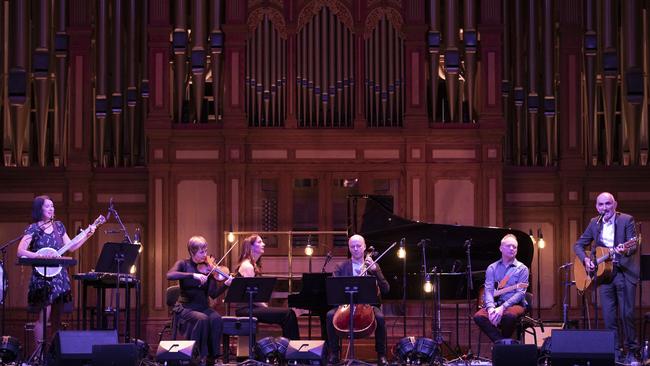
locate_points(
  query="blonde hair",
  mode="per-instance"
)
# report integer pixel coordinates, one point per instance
(196, 243)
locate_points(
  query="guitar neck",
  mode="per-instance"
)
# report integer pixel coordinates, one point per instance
(74, 241)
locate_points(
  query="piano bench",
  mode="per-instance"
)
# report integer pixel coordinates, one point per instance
(235, 326)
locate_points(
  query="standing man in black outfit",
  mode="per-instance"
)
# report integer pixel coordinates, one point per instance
(354, 267)
(203, 324)
(611, 229)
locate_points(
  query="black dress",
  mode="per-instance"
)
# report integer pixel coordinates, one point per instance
(44, 292)
(198, 321)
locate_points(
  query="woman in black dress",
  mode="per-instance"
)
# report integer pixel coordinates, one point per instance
(202, 323)
(46, 232)
(250, 266)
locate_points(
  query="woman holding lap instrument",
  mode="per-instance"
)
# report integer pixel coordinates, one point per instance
(45, 232)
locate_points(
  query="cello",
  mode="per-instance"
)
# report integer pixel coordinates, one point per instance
(364, 322)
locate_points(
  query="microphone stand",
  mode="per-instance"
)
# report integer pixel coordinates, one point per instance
(423, 244)
(119, 258)
(565, 299)
(469, 289)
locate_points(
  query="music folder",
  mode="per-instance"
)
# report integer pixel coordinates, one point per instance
(338, 290)
(127, 253)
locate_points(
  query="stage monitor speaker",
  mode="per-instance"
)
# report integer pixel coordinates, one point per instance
(125, 354)
(582, 347)
(175, 352)
(75, 347)
(306, 353)
(514, 355)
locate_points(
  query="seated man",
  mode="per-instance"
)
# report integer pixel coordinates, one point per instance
(354, 267)
(507, 308)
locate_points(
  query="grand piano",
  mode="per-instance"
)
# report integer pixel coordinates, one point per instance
(445, 247)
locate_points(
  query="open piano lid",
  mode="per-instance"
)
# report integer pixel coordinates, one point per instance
(372, 217)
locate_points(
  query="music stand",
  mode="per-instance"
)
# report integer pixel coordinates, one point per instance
(352, 290)
(250, 290)
(111, 259)
(45, 263)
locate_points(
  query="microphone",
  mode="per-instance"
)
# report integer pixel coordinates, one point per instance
(328, 258)
(600, 217)
(566, 265)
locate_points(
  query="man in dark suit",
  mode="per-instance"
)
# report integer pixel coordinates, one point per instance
(611, 229)
(354, 266)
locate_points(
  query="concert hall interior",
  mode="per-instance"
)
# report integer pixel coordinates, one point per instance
(432, 128)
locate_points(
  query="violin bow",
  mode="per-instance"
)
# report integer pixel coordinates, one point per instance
(378, 258)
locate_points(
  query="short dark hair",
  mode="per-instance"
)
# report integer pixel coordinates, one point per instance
(37, 207)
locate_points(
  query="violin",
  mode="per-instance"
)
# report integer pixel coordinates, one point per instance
(210, 267)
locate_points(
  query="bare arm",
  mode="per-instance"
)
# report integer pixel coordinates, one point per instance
(23, 247)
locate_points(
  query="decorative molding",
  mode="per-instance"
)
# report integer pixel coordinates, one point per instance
(393, 16)
(325, 154)
(197, 154)
(530, 197)
(381, 154)
(269, 154)
(313, 8)
(439, 154)
(275, 17)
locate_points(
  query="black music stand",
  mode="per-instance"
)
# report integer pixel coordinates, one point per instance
(113, 259)
(352, 290)
(45, 263)
(250, 290)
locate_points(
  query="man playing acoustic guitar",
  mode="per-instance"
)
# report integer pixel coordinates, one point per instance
(507, 308)
(616, 232)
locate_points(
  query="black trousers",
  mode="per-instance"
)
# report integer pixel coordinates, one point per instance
(205, 327)
(284, 317)
(618, 297)
(380, 333)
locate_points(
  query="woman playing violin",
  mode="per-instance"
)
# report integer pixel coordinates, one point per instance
(250, 266)
(355, 266)
(198, 278)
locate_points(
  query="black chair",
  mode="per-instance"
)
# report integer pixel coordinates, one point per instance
(172, 294)
(526, 324)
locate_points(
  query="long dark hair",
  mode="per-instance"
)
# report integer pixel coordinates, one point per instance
(247, 253)
(37, 207)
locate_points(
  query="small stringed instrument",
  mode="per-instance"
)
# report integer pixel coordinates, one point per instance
(603, 266)
(498, 293)
(53, 253)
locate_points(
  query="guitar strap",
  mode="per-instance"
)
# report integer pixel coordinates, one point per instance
(505, 279)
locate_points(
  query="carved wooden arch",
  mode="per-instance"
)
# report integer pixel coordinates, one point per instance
(339, 9)
(277, 19)
(393, 16)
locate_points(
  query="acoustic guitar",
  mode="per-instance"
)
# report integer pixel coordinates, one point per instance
(51, 252)
(498, 293)
(603, 266)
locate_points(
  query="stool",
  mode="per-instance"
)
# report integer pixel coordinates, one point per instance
(235, 326)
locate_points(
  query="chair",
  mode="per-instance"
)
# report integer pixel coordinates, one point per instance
(526, 324)
(172, 294)
(235, 326)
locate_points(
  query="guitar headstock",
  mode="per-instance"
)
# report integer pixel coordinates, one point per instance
(99, 221)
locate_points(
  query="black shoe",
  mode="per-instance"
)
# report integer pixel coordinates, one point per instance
(382, 361)
(333, 359)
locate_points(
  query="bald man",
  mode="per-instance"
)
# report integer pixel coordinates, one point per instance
(611, 229)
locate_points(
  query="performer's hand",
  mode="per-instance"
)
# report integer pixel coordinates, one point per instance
(229, 280)
(91, 230)
(370, 264)
(200, 277)
(620, 249)
(497, 314)
(589, 265)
